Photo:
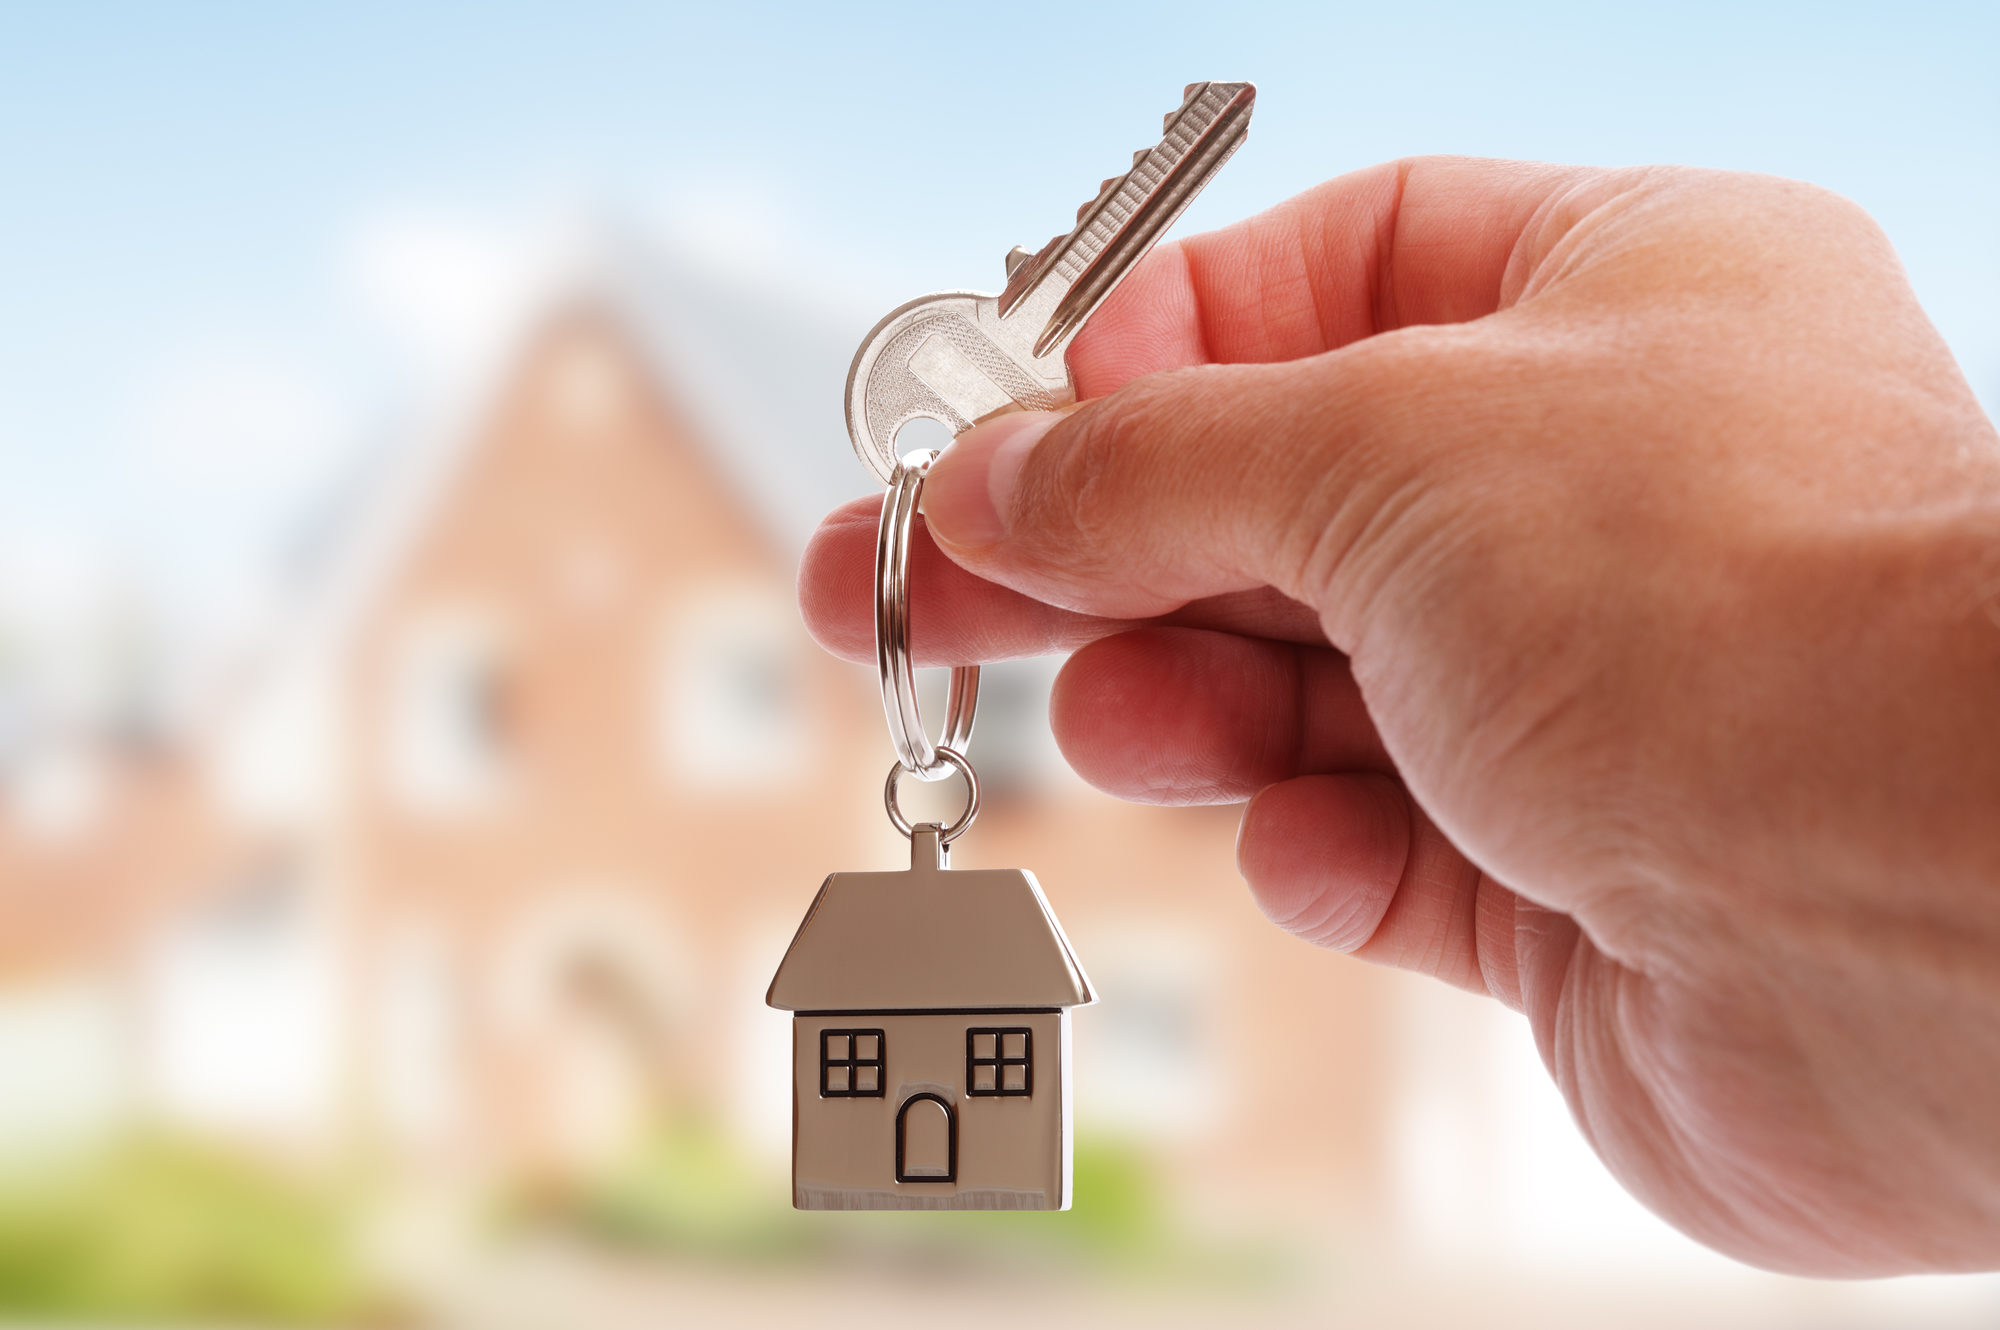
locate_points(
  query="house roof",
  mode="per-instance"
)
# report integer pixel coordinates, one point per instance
(929, 939)
(755, 364)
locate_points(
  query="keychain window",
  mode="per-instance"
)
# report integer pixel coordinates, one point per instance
(850, 1064)
(1000, 1062)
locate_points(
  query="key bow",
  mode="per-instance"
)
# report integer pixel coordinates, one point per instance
(958, 357)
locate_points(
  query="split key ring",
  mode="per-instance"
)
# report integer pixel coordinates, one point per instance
(919, 756)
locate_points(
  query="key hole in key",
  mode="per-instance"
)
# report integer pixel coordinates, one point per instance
(921, 435)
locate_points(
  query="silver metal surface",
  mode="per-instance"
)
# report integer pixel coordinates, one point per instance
(931, 1040)
(952, 761)
(914, 750)
(930, 936)
(959, 356)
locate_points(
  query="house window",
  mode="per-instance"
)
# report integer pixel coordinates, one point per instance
(1000, 1062)
(731, 706)
(850, 1064)
(447, 737)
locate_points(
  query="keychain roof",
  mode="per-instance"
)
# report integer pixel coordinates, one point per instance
(929, 938)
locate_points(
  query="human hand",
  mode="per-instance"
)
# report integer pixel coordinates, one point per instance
(1592, 579)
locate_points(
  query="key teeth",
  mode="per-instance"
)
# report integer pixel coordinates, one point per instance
(1192, 91)
(1104, 188)
(1107, 186)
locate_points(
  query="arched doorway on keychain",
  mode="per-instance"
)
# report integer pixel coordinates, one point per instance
(926, 1140)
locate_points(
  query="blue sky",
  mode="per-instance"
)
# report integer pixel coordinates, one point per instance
(209, 210)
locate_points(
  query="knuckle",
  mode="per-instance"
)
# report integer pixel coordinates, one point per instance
(1078, 501)
(1360, 503)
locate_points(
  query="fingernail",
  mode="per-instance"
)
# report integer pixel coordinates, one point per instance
(969, 493)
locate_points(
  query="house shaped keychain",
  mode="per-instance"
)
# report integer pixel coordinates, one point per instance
(930, 1029)
(930, 1040)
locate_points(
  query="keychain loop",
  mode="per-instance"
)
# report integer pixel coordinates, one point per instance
(950, 759)
(915, 752)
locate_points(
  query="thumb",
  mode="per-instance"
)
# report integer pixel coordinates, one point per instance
(1192, 483)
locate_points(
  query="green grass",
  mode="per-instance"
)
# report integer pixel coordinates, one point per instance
(170, 1231)
(689, 1194)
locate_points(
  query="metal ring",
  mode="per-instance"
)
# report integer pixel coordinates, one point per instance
(951, 759)
(914, 750)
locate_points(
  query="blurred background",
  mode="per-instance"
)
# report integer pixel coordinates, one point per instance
(412, 766)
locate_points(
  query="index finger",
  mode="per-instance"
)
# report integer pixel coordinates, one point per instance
(1423, 240)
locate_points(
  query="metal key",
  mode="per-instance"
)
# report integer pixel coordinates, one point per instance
(958, 357)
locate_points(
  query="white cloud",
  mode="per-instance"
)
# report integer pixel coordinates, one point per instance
(447, 287)
(741, 225)
(231, 415)
(51, 572)
(450, 285)
(228, 443)
(757, 233)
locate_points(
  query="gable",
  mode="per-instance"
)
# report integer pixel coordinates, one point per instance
(583, 450)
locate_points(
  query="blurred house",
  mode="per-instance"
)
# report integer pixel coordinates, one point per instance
(484, 866)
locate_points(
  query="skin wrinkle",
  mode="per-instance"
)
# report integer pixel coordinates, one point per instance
(1324, 918)
(1195, 286)
(1256, 551)
(1384, 300)
(1406, 826)
(1739, 1177)
(1462, 904)
(1556, 1022)
(1591, 969)
(1818, 1062)
(1331, 560)
(1096, 465)
(1329, 550)
(1662, 1149)
(1416, 925)
(1543, 977)
(1305, 509)
(1521, 266)
(1498, 964)
(1550, 258)
(1671, 1147)
(1332, 914)
(1471, 882)
(1248, 546)
(1295, 764)
(1754, 1204)
(1323, 318)
(1291, 920)
(1435, 947)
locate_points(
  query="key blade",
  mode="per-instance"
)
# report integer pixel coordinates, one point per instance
(1116, 229)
